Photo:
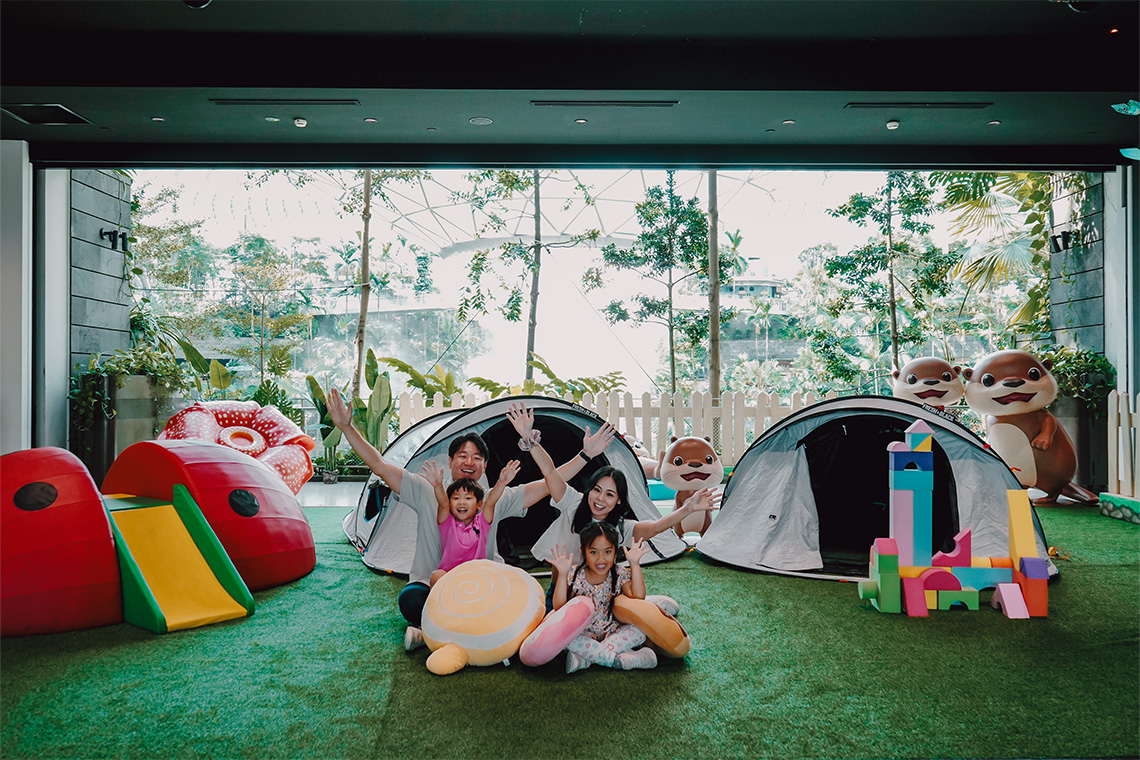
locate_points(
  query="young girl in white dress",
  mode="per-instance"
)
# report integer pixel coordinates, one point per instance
(605, 641)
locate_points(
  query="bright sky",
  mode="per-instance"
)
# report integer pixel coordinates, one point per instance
(779, 215)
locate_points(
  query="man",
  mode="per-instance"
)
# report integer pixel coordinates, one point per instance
(466, 458)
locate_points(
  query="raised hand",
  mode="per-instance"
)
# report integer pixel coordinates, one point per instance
(561, 560)
(704, 500)
(595, 443)
(636, 551)
(433, 473)
(522, 419)
(509, 471)
(338, 411)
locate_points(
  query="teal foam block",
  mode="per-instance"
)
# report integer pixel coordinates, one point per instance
(922, 517)
(911, 480)
(983, 577)
(658, 491)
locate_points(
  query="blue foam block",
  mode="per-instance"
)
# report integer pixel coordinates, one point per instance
(922, 460)
(911, 480)
(983, 577)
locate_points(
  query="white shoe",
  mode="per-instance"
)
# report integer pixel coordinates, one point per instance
(667, 604)
(575, 663)
(413, 638)
(638, 658)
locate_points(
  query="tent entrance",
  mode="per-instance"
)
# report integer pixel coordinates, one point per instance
(562, 440)
(852, 449)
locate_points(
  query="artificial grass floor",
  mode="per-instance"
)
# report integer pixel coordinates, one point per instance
(781, 668)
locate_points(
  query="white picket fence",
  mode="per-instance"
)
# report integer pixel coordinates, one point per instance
(1123, 438)
(732, 425)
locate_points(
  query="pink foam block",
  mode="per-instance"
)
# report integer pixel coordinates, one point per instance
(557, 630)
(1009, 600)
(914, 598)
(902, 524)
(934, 579)
(960, 557)
(885, 546)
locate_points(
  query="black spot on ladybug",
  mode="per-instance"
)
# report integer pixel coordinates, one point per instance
(35, 496)
(243, 502)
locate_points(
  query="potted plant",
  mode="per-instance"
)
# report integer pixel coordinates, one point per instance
(1084, 379)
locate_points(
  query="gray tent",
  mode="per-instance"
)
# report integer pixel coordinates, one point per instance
(383, 528)
(811, 494)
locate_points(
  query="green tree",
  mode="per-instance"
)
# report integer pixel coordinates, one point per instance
(763, 314)
(513, 260)
(672, 247)
(897, 259)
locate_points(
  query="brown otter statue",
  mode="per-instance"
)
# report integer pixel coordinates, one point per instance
(1011, 389)
(928, 380)
(687, 465)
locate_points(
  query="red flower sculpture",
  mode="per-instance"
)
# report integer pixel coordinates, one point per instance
(262, 432)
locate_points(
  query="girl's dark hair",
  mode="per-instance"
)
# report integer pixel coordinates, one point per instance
(590, 534)
(465, 484)
(621, 510)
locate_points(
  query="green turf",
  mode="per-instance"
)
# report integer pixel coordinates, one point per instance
(781, 668)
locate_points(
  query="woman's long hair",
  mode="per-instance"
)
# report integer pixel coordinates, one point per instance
(621, 510)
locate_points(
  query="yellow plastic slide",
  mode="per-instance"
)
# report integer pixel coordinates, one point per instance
(174, 569)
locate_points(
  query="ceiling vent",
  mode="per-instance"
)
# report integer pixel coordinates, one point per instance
(606, 103)
(281, 102)
(43, 114)
(926, 106)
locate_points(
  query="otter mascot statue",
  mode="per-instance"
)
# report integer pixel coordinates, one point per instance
(929, 380)
(1011, 389)
(687, 465)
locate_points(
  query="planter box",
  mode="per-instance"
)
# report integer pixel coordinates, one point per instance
(1090, 437)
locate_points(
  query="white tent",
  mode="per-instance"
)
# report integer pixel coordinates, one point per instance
(811, 494)
(383, 528)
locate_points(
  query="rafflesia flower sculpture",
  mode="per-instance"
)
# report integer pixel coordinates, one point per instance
(262, 432)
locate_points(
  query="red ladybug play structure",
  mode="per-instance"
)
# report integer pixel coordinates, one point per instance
(60, 564)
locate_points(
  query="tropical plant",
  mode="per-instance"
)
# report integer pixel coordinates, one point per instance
(329, 432)
(1081, 374)
(574, 387)
(437, 381)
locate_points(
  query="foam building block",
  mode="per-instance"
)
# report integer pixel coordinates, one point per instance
(967, 597)
(883, 588)
(936, 579)
(919, 436)
(982, 577)
(902, 524)
(931, 599)
(960, 556)
(1033, 578)
(885, 554)
(1022, 538)
(980, 562)
(1009, 600)
(914, 597)
(911, 480)
(923, 510)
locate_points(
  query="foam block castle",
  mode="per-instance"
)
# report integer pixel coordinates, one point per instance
(907, 575)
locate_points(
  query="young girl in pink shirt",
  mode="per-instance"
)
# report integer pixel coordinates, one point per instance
(464, 517)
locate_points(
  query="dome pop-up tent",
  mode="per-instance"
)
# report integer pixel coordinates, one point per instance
(812, 493)
(383, 528)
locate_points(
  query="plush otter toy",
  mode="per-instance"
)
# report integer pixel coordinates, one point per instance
(1011, 389)
(929, 380)
(687, 465)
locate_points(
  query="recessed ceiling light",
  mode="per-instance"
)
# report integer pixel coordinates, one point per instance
(480, 121)
(369, 121)
(431, 129)
(892, 124)
(994, 123)
(580, 121)
(272, 119)
(788, 122)
(157, 118)
(300, 123)
(769, 130)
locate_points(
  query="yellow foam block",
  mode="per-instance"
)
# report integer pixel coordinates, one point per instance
(980, 562)
(925, 445)
(931, 599)
(906, 571)
(1022, 538)
(183, 585)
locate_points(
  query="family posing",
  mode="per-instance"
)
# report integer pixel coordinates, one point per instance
(457, 517)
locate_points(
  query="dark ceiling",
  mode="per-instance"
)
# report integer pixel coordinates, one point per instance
(654, 82)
